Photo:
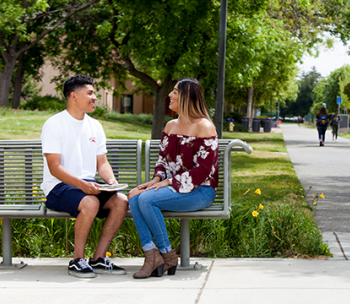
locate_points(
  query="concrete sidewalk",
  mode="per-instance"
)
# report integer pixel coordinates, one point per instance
(223, 281)
(241, 281)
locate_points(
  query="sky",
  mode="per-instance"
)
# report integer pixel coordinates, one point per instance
(328, 59)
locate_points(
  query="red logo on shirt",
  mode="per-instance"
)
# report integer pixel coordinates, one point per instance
(92, 139)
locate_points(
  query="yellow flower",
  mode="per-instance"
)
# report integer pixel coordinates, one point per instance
(112, 251)
(302, 196)
(257, 191)
(255, 213)
(108, 254)
(301, 189)
(246, 192)
(260, 207)
(315, 203)
(321, 196)
(313, 195)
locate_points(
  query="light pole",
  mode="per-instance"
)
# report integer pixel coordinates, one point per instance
(221, 68)
(326, 84)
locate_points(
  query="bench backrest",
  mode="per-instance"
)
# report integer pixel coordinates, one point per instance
(21, 168)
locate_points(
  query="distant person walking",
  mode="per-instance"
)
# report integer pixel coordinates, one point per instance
(322, 123)
(299, 120)
(335, 125)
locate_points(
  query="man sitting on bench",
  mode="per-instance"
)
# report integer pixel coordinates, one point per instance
(74, 147)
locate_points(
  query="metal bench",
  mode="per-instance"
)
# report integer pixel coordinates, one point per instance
(221, 207)
(21, 167)
(21, 173)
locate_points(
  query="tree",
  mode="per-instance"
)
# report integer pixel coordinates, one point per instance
(145, 39)
(305, 99)
(343, 81)
(23, 25)
(333, 90)
(155, 41)
(309, 20)
(346, 90)
(264, 61)
(261, 62)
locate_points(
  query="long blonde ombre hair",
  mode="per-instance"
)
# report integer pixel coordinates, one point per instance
(191, 99)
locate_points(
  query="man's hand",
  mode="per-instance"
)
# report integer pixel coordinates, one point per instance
(90, 188)
(112, 181)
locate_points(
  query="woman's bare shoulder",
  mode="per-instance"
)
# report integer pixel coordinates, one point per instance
(170, 124)
(205, 128)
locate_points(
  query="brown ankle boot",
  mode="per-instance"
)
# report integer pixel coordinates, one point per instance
(153, 263)
(170, 262)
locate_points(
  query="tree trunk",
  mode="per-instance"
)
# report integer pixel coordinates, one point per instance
(250, 91)
(5, 82)
(159, 107)
(253, 110)
(18, 83)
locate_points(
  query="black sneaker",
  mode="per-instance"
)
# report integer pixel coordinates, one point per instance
(106, 266)
(80, 268)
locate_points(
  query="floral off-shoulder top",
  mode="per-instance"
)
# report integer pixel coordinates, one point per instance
(189, 161)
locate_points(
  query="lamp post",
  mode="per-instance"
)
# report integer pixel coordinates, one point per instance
(221, 68)
(326, 84)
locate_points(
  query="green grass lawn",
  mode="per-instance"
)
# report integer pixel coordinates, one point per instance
(285, 226)
(28, 124)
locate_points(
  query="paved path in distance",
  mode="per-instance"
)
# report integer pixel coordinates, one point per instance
(326, 169)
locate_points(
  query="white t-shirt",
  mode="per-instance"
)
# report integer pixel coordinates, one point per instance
(78, 141)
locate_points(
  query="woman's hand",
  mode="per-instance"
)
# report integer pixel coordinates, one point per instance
(161, 184)
(146, 186)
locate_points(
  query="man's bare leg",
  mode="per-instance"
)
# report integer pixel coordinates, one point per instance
(118, 206)
(88, 209)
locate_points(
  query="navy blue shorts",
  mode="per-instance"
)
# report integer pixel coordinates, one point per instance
(67, 198)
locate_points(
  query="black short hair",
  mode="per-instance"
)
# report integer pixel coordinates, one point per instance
(75, 82)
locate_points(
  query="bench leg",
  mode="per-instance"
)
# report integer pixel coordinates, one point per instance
(185, 242)
(7, 245)
(185, 247)
(7, 242)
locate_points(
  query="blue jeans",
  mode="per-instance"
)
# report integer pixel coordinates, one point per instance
(146, 212)
(322, 132)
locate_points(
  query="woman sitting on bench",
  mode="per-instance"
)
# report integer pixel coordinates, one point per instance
(185, 177)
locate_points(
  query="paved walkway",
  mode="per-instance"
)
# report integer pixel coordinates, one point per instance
(326, 169)
(224, 281)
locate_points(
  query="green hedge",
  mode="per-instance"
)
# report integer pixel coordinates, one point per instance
(44, 103)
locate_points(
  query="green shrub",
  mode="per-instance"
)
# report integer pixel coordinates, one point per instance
(135, 118)
(284, 230)
(236, 116)
(99, 112)
(238, 127)
(44, 103)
